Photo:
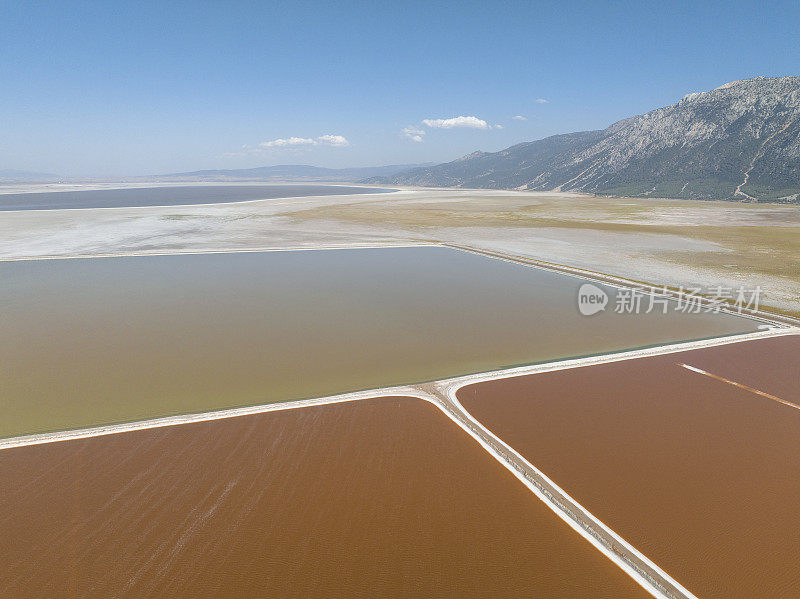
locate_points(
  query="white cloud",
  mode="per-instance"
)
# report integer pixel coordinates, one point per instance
(541, 101)
(338, 141)
(417, 134)
(472, 122)
(413, 133)
(519, 117)
(289, 141)
(294, 142)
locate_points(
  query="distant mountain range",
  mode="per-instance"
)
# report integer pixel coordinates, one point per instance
(292, 173)
(740, 141)
(285, 173)
(14, 176)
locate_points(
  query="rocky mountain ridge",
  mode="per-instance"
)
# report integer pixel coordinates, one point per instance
(739, 141)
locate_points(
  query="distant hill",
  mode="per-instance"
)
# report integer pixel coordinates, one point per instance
(739, 141)
(291, 173)
(11, 175)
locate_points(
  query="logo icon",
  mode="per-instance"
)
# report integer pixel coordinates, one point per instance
(591, 299)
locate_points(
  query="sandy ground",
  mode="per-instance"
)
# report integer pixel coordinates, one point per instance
(664, 242)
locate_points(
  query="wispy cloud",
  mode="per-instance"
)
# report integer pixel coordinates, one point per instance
(332, 140)
(417, 133)
(287, 142)
(413, 133)
(541, 101)
(293, 142)
(472, 122)
(519, 117)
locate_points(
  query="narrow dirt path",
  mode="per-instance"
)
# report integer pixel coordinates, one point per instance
(758, 155)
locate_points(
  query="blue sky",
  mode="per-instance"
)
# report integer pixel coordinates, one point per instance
(117, 88)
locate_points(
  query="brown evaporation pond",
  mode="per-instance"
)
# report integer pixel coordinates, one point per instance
(380, 497)
(700, 475)
(95, 341)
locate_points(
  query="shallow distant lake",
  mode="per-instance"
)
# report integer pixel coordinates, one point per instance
(91, 341)
(169, 196)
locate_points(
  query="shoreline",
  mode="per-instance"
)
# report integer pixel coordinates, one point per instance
(379, 191)
(11, 188)
(677, 243)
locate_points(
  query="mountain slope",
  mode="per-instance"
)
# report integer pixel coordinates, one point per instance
(738, 141)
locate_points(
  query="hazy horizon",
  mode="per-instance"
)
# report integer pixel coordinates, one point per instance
(145, 89)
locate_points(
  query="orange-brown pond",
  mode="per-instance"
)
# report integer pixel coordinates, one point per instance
(700, 475)
(380, 497)
(93, 341)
